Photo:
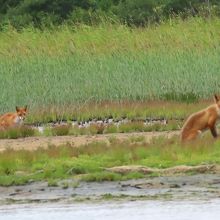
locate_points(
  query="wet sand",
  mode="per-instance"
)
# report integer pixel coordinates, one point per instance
(200, 186)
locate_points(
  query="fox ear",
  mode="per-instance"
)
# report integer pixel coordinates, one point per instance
(216, 98)
(25, 107)
(17, 108)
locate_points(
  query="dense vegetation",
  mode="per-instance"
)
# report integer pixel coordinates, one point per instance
(54, 70)
(58, 54)
(41, 13)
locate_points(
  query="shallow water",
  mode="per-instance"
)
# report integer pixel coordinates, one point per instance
(155, 210)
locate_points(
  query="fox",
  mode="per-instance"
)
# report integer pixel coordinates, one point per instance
(12, 119)
(201, 121)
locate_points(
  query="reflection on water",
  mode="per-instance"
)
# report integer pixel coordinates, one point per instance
(155, 210)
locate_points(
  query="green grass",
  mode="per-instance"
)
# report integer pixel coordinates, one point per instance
(88, 162)
(182, 35)
(17, 132)
(56, 72)
(78, 79)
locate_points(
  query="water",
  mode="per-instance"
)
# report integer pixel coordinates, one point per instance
(155, 210)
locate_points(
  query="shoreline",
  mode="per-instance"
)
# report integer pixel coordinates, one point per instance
(180, 187)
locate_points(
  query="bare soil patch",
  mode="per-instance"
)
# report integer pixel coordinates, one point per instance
(33, 143)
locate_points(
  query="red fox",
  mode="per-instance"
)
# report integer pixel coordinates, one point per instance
(201, 121)
(13, 119)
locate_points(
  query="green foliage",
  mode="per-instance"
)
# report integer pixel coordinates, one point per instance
(193, 7)
(139, 12)
(47, 13)
(41, 13)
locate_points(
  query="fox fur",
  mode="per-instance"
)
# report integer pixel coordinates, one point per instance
(201, 121)
(12, 119)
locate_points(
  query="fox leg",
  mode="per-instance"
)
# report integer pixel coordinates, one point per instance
(214, 131)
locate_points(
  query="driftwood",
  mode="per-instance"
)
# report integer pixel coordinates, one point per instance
(172, 170)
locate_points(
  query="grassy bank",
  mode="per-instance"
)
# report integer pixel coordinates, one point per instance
(53, 71)
(88, 162)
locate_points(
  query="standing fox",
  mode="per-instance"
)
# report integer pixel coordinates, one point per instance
(201, 121)
(13, 119)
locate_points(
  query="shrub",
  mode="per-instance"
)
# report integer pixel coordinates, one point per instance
(111, 129)
(27, 131)
(131, 127)
(61, 130)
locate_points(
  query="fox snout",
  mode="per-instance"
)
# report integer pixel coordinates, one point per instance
(21, 114)
(21, 118)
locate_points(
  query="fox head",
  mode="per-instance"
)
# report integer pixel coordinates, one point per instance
(21, 112)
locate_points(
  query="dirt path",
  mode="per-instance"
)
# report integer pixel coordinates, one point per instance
(33, 143)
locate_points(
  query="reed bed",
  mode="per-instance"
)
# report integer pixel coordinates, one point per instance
(54, 70)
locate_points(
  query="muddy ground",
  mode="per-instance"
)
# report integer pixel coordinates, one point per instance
(200, 186)
(32, 143)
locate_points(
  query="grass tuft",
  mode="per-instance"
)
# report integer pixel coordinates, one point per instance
(61, 130)
(17, 132)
